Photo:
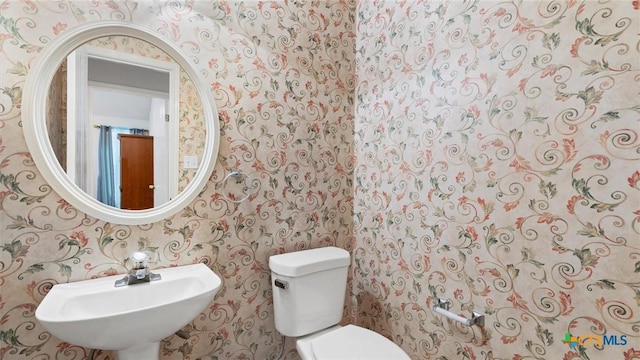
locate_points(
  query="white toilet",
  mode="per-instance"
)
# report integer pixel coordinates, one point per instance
(308, 298)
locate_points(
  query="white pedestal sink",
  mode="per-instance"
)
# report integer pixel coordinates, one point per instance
(130, 320)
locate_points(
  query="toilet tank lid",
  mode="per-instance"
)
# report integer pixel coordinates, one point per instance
(305, 262)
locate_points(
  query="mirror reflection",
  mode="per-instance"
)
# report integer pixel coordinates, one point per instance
(125, 122)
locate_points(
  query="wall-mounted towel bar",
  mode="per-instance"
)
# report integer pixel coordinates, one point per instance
(239, 179)
(442, 307)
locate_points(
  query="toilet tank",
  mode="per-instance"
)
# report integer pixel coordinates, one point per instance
(308, 289)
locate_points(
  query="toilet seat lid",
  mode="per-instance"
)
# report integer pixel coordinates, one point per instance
(355, 343)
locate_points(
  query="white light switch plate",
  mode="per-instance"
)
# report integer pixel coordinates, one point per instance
(190, 162)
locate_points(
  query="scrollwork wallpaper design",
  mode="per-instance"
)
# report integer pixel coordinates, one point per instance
(283, 81)
(485, 152)
(497, 167)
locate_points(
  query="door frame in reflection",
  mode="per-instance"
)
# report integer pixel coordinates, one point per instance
(82, 133)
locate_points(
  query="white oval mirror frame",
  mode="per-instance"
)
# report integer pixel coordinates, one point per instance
(34, 99)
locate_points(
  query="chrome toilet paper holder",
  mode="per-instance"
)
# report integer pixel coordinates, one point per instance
(442, 307)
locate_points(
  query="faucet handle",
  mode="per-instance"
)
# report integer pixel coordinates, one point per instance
(139, 272)
(140, 267)
(140, 260)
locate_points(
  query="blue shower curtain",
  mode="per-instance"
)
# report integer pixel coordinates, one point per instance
(106, 177)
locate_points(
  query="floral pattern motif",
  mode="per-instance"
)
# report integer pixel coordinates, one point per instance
(481, 151)
(285, 100)
(497, 167)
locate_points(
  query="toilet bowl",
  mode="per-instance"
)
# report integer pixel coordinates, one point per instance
(308, 297)
(348, 343)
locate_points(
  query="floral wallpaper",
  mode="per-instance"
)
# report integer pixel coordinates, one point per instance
(57, 114)
(497, 166)
(282, 76)
(485, 152)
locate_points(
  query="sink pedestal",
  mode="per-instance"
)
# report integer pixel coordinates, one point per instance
(149, 351)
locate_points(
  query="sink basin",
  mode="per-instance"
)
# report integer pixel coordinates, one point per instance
(130, 320)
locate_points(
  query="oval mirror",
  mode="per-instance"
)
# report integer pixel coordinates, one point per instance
(130, 97)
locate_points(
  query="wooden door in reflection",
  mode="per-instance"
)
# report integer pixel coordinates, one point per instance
(136, 172)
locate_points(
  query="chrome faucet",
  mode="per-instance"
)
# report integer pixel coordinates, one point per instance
(139, 272)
